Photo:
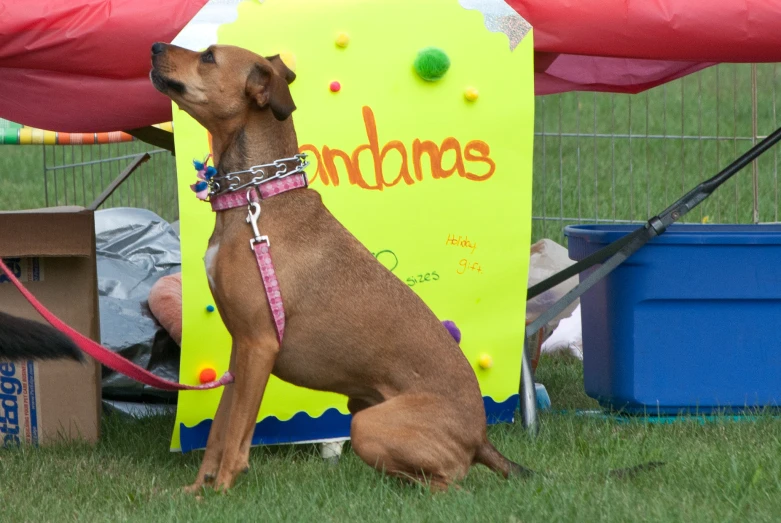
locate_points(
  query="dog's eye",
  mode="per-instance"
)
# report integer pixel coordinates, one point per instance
(207, 57)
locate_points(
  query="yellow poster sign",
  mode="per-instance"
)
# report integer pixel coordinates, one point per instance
(432, 175)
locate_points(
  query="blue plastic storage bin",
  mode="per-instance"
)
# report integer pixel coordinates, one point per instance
(689, 323)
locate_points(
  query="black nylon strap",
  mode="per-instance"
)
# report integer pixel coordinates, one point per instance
(635, 240)
(575, 269)
(621, 249)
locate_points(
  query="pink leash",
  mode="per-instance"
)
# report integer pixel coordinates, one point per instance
(108, 358)
(260, 244)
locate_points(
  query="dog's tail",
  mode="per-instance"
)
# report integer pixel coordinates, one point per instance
(490, 457)
(22, 339)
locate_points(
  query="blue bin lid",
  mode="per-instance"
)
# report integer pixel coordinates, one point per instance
(684, 234)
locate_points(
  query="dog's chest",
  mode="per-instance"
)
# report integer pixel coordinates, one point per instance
(209, 260)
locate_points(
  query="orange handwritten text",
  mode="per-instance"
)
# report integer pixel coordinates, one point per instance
(461, 241)
(469, 265)
(334, 166)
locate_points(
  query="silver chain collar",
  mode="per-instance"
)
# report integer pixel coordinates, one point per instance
(231, 182)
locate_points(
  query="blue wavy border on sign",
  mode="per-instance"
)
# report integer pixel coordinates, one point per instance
(330, 425)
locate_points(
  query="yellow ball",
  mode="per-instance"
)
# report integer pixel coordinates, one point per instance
(289, 60)
(470, 93)
(342, 39)
(485, 361)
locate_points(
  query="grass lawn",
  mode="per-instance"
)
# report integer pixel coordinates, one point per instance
(724, 471)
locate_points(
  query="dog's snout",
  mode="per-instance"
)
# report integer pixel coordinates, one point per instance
(157, 48)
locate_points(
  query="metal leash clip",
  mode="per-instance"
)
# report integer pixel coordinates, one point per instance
(253, 214)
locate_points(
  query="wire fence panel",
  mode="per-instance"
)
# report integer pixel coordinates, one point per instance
(77, 174)
(598, 158)
(611, 158)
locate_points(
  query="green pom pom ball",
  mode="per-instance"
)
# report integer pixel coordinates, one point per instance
(431, 64)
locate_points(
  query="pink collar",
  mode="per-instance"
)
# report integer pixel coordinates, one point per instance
(231, 200)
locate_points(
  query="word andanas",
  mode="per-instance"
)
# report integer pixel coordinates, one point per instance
(441, 161)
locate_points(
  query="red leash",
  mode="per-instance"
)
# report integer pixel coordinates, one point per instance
(108, 358)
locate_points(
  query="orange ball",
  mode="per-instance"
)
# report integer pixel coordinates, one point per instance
(207, 375)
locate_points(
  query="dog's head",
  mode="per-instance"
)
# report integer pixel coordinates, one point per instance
(223, 83)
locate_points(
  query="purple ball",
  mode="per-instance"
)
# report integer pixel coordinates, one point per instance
(453, 330)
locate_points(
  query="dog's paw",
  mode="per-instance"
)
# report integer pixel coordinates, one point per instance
(224, 481)
(223, 487)
(195, 488)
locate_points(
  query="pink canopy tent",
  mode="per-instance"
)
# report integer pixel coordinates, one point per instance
(82, 65)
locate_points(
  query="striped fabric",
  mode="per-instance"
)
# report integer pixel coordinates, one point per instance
(12, 133)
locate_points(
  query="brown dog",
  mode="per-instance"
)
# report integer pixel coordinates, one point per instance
(352, 326)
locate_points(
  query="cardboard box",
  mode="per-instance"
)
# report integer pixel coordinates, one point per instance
(52, 251)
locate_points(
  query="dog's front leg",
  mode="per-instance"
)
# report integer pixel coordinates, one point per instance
(254, 362)
(216, 442)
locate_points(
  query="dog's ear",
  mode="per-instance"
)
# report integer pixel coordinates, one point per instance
(281, 69)
(268, 89)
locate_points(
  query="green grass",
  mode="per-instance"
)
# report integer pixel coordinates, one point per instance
(21, 177)
(723, 471)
